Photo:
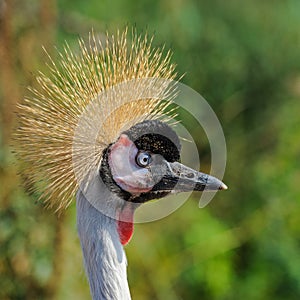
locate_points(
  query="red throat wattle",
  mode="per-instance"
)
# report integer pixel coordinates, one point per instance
(125, 224)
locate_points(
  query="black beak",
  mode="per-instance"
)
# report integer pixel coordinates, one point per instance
(180, 178)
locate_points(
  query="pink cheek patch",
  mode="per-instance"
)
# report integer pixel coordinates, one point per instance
(123, 182)
(124, 141)
(124, 169)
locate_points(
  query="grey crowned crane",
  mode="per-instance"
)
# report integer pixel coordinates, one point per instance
(98, 127)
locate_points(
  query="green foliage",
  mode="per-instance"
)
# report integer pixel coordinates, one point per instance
(244, 58)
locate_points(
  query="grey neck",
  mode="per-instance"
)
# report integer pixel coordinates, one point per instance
(104, 256)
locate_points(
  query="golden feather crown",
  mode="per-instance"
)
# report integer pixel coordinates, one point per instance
(84, 104)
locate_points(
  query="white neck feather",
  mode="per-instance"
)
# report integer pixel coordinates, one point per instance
(104, 256)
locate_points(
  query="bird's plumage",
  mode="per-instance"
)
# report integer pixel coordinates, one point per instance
(104, 257)
(82, 107)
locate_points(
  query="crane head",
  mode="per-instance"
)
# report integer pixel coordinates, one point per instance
(143, 164)
(102, 106)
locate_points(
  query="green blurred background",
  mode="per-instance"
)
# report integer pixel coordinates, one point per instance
(244, 58)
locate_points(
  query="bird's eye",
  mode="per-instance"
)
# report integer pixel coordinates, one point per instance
(143, 159)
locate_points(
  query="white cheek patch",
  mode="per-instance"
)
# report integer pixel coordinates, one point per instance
(126, 173)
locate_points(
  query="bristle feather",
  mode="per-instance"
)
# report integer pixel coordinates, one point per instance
(49, 118)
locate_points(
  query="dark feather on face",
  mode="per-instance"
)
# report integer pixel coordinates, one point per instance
(156, 137)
